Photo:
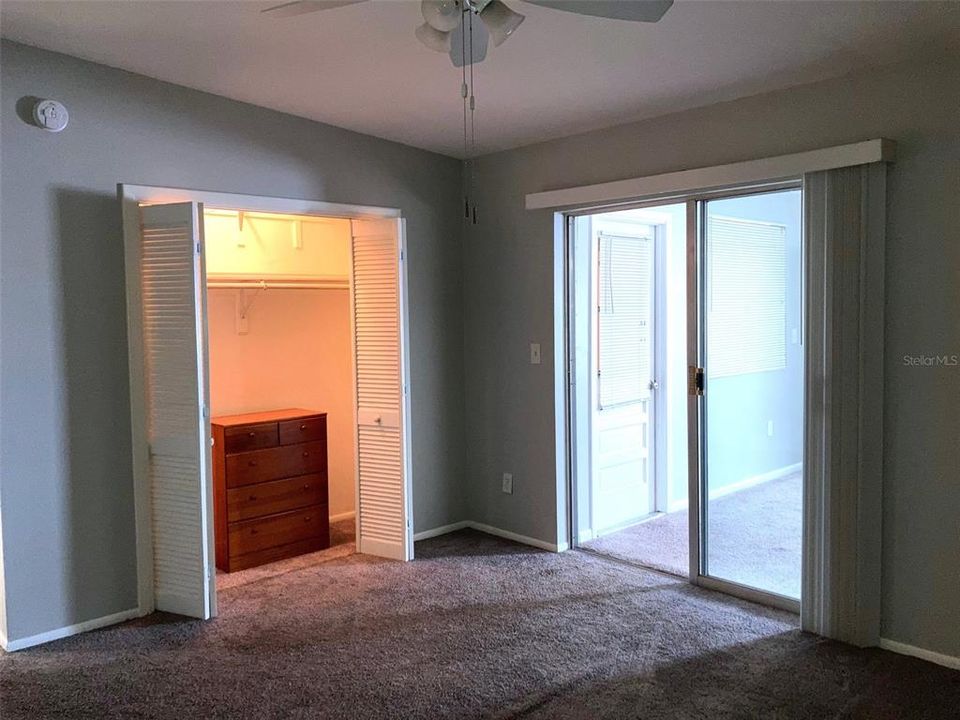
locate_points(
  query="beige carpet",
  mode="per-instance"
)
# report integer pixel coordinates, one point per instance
(477, 627)
(754, 538)
(342, 544)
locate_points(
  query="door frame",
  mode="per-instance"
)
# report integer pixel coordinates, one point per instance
(693, 199)
(131, 196)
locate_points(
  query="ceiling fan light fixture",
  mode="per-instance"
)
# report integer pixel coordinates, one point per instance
(500, 20)
(442, 15)
(433, 38)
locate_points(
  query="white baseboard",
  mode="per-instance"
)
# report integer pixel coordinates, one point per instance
(949, 661)
(343, 516)
(516, 537)
(68, 630)
(490, 530)
(749, 482)
(442, 530)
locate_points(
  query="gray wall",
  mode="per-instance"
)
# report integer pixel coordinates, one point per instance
(67, 496)
(509, 290)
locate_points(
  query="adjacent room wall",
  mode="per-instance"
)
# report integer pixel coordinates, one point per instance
(509, 302)
(67, 494)
(296, 353)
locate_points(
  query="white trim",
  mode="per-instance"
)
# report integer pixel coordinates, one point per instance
(253, 203)
(491, 530)
(950, 661)
(684, 181)
(68, 630)
(585, 536)
(441, 530)
(744, 484)
(343, 516)
(130, 197)
(516, 537)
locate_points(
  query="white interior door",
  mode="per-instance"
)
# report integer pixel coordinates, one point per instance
(178, 425)
(384, 523)
(623, 404)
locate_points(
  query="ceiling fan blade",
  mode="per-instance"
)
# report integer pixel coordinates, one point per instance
(480, 37)
(634, 10)
(302, 7)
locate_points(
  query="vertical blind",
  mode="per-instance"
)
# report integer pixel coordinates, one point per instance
(747, 294)
(625, 318)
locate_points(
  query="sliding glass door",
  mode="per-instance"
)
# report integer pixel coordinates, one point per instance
(748, 442)
(725, 481)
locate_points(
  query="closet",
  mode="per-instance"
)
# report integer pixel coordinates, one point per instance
(281, 383)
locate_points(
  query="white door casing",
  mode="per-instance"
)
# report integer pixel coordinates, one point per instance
(384, 522)
(179, 465)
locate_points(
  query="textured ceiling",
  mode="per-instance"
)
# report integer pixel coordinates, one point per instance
(360, 66)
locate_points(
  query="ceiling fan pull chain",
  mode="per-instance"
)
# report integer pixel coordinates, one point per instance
(473, 132)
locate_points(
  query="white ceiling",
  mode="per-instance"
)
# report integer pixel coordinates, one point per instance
(360, 66)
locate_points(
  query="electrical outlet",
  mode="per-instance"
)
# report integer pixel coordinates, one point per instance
(534, 353)
(508, 483)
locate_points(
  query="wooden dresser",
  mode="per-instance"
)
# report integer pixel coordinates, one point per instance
(270, 486)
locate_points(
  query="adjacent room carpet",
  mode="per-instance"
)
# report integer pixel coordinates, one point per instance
(754, 539)
(476, 627)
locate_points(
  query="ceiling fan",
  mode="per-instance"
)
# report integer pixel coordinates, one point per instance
(497, 21)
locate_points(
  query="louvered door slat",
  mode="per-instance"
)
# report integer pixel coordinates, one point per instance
(382, 504)
(171, 281)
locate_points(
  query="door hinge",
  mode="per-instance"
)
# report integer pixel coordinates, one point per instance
(695, 383)
(199, 248)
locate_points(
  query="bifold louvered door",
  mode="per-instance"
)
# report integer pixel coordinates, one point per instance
(178, 426)
(383, 498)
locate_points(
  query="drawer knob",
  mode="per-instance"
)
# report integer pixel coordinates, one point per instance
(307, 519)
(303, 427)
(252, 463)
(306, 454)
(253, 434)
(253, 531)
(252, 498)
(306, 487)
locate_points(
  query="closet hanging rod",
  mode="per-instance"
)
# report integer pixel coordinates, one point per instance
(278, 284)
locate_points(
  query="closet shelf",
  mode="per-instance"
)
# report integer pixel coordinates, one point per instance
(287, 283)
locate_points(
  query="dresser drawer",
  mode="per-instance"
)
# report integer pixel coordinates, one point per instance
(250, 437)
(276, 463)
(304, 430)
(276, 496)
(290, 527)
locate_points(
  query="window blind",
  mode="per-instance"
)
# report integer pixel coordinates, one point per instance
(625, 312)
(746, 329)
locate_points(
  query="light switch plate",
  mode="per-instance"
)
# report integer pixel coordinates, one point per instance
(534, 353)
(508, 483)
